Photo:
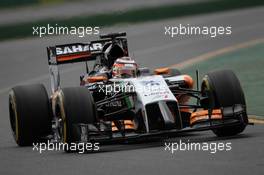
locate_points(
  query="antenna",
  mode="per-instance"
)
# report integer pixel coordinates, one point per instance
(197, 80)
(197, 86)
(86, 66)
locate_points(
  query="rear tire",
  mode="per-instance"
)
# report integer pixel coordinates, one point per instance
(224, 90)
(29, 114)
(75, 105)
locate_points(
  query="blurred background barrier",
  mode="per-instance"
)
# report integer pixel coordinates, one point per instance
(134, 15)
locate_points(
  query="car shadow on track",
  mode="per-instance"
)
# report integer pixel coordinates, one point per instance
(196, 137)
(152, 143)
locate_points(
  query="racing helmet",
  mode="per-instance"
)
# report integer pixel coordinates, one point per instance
(124, 67)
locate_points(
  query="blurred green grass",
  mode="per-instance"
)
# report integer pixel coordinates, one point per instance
(21, 3)
(248, 65)
(130, 16)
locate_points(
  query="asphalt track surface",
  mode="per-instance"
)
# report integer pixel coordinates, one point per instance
(24, 62)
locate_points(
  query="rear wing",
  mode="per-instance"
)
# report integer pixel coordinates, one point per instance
(79, 52)
(72, 53)
(76, 52)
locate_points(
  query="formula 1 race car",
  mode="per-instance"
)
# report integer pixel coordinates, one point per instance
(118, 101)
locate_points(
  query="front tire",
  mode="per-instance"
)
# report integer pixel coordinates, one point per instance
(74, 105)
(224, 90)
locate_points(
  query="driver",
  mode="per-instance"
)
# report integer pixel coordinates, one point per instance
(124, 67)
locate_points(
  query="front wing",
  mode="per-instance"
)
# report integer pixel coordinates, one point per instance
(88, 135)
